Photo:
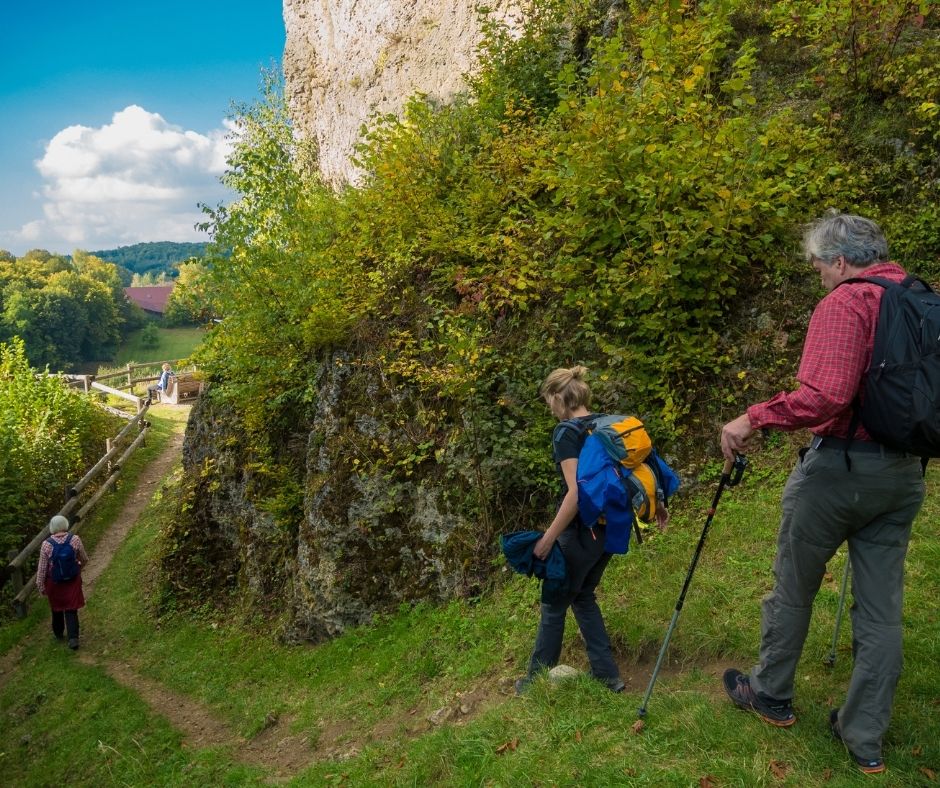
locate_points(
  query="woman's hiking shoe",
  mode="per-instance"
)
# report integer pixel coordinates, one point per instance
(73, 643)
(867, 765)
(738, 687)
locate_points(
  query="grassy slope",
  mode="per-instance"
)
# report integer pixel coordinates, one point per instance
(174, 343)
(384, 681)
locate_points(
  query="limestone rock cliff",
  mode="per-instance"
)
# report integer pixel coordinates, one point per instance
(346, 60)
(331, 544)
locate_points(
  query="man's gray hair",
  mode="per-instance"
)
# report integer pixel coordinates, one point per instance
(857, 239)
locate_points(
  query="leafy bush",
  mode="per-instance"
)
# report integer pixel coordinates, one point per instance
(601, 199)
(49, 435)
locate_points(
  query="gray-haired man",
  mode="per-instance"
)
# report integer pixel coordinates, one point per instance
(869, 502)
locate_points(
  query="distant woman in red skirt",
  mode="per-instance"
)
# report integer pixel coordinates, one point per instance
(59, 577)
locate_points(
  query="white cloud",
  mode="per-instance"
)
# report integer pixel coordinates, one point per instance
(138, 178)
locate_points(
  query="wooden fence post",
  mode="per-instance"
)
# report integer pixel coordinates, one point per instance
(16, 580)
(130, 378)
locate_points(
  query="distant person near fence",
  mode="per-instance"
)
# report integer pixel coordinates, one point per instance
(162, 384)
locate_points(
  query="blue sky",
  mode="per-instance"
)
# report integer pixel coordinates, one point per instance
(111, 115)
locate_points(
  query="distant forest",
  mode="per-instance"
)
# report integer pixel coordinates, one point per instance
(154, 257)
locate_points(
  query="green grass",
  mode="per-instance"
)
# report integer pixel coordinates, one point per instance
(366, 697)
(174, 343)
(96, 522)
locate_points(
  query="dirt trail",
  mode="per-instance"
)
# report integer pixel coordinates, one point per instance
(147, 482)
(280, 753)
(150, 476)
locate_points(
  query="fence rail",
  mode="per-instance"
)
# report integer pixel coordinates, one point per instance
(13, 571)
(127, 379)
(128, 372)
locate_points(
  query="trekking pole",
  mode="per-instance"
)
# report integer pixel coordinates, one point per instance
(831, 659)
(727, 480)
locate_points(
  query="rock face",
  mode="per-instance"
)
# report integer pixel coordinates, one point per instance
(368, 541)
(333, 542)
(346, 60)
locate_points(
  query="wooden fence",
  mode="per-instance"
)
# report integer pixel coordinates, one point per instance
(127, 380)
(14, 569)
(152, 368)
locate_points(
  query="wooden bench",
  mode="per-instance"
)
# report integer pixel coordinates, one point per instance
(181, 387)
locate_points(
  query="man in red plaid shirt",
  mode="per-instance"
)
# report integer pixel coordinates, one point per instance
(844, 488)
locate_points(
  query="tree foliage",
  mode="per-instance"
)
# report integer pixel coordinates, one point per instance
(49, 435)
(65, 310)
(607, 199)
(153, 257)
(192, 301)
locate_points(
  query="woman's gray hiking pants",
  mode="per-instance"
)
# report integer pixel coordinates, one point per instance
(872, 507)
(585, 562)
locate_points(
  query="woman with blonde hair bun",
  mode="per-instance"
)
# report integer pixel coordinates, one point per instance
(568, 396)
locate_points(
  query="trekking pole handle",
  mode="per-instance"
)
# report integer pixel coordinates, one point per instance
(734, 469)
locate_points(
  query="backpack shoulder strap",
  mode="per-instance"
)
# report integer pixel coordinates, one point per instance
(578, 426)
(872, 280)
(907, 282)
(68, 538)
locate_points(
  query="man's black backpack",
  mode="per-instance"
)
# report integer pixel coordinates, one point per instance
(63, 560)
(901, 407)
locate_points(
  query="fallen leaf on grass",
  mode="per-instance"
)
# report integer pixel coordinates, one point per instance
(917, 751)
(638, 726)
(707, 782)
(577, 736)
(779, 769)
(507, 746)
(827, 775)
(930, 774)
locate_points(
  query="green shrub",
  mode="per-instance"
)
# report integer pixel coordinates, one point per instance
(602, 199)
(49, 435)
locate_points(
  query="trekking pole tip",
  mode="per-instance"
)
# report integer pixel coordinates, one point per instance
(641, 712)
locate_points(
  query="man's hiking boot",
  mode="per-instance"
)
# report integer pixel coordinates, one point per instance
(614, 684)
(867, 765)
(522, 685)
(738, 687)
(73, 643)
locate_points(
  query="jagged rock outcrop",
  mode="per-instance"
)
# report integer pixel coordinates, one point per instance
(346, 60)
(371, 497)
(359, 542)
(369, 540)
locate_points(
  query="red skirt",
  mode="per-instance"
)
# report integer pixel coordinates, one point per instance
(65, 596)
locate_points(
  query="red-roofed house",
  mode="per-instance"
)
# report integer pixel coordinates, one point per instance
(151, 299)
